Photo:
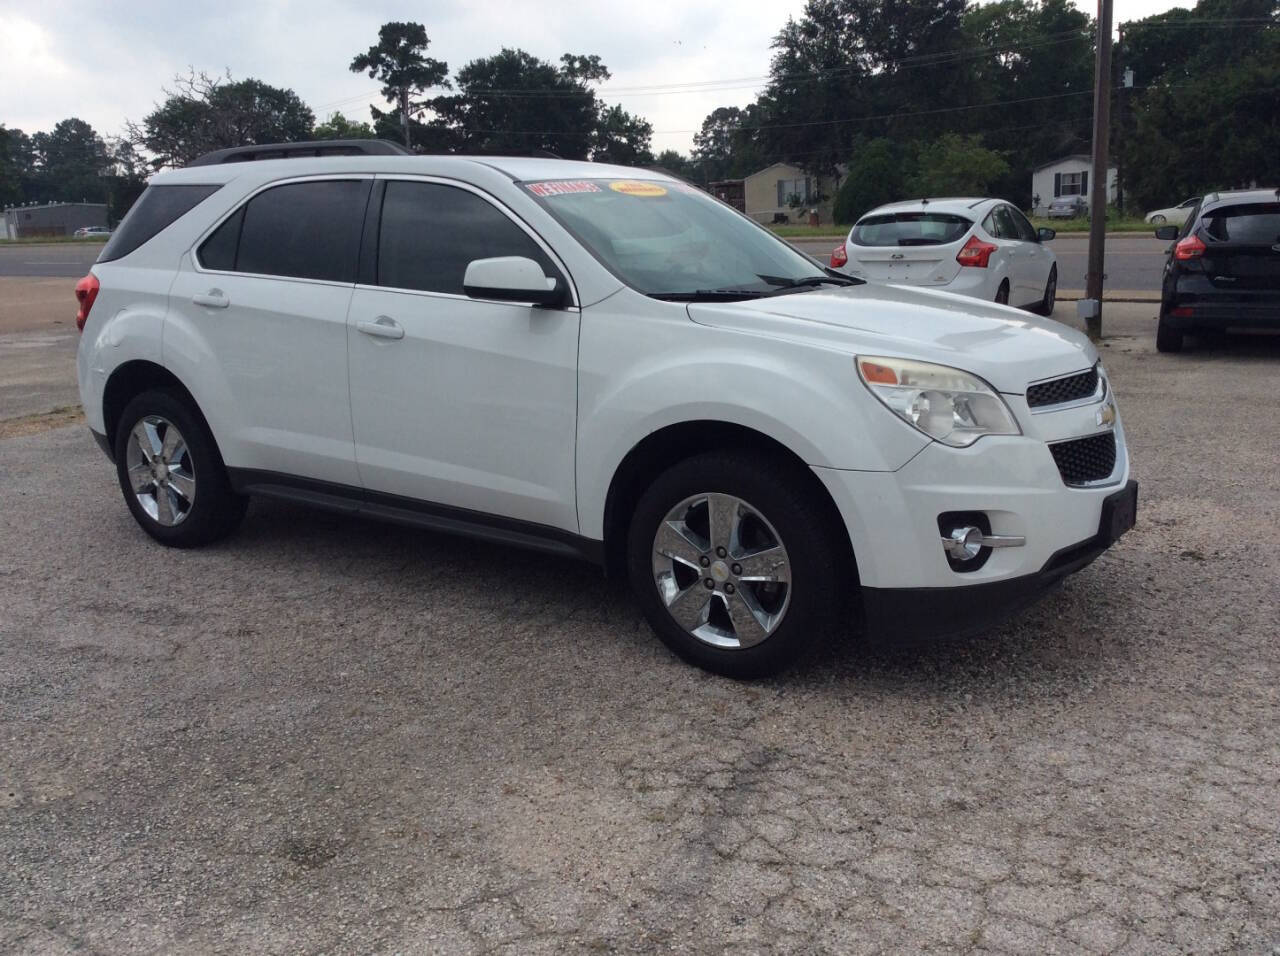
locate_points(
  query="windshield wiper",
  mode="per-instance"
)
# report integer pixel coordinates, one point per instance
(807, 281)
(713, 295)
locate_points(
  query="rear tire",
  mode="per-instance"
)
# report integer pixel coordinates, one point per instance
(171, 473)
(776, 574)
(1168, 339)
(1002, 293)
(1158, 220)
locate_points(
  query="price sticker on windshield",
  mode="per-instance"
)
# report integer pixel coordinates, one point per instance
(562, 187)
(634, 187)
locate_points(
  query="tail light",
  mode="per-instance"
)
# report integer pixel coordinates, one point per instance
(839, 257)
(1189, 248)
(86, 292)
(975, 253)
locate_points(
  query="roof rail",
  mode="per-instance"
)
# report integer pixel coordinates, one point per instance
(321, 147)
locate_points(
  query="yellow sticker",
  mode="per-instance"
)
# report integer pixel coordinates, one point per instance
(633, 187)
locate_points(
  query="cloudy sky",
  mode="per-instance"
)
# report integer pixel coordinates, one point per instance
(673, 61)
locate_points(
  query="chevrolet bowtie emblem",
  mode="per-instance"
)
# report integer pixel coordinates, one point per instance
(1106, 415)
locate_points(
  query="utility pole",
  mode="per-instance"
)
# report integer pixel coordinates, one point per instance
(1091, 307)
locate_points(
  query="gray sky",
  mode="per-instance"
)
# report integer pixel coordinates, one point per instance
(673, 61)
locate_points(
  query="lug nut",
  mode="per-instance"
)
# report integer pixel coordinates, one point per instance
(704, 561)
(728, 589)
(737, 569)
(721, 552)
(710, 584)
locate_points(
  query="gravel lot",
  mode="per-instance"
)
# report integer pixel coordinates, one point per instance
(331, 735)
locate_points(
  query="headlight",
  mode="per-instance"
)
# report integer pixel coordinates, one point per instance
(948, 405)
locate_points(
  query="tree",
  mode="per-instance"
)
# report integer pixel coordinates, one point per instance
(874, 177)
(515, 102)
(205, 113)
(955, 165)
(17, 165)
(338, 126)
(399, 62)
(71, 162)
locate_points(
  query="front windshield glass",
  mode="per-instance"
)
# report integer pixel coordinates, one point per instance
(670, 238)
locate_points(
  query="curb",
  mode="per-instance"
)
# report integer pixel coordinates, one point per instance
(1119, 295)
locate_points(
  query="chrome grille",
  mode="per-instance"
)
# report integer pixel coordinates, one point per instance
(1071, 388)
(1084, 460)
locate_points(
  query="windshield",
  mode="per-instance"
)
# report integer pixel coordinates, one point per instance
(910, 229)
(667, 238)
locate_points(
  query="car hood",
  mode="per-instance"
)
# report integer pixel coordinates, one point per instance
(1006, 347)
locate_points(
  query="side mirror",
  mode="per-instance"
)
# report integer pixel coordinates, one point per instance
(512, 279)
(1167, 232)
(1044, 234)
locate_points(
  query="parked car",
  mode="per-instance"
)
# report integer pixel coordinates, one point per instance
(1175, 215)
(1223, 271)
(599, 362)
(983, 248)
(1068, 207)
(92, 232)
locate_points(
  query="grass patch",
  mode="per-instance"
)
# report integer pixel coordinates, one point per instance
(54, 241)
(1082, 225)
(797, 231)
(41, 421)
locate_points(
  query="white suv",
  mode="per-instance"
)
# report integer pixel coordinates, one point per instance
(601, 362)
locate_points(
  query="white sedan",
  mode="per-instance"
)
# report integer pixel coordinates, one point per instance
(1174, 215)
(983, 248)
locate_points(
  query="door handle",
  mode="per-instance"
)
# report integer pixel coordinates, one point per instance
(384, 327)
(213, 299)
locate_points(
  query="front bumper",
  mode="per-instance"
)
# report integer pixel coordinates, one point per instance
(913, 614)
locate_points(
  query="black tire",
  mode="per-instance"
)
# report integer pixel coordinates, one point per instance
(214, 509)
(1002, 293)
(1050, 293)
(1168, 339)
(783, 495)
(1158, 220)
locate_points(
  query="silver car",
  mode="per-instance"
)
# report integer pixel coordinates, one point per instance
(1068, 207)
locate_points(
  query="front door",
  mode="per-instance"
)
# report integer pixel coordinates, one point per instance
(458, 401)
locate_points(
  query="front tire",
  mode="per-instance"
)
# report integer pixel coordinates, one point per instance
(735, 566)
(1158, 220)
(171, 473)
(1168, 339)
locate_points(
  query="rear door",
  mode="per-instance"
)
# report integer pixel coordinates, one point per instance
(456, 401)
(1242, 250)
(907, 248)
(263, 306)
(1035, 259)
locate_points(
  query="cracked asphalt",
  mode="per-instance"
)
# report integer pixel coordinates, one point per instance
(327, 735)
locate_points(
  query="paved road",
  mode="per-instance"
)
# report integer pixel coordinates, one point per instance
(329, 735)
(1133, 263)
(71, 259)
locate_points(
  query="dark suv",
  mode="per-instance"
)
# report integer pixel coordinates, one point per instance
(1224, 270)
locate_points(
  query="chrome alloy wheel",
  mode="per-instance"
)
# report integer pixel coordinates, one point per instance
(722, 571)
(160, 470)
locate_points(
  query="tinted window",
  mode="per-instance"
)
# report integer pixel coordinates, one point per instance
(1005, 222)
(219, 250)
(1026, 232)
(910, 229)
(157, 208)
(303, 230)
(431, 232)
(1252, 222)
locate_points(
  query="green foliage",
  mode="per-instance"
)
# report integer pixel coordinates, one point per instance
(874, 177)
(16, 165)
(204, 113)
(955, 165)
(399, 62)
(338, 126)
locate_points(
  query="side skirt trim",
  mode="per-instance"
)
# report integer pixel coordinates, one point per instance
(411, 512)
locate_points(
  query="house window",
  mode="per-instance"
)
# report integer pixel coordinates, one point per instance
(787, 188)
(1072, 184)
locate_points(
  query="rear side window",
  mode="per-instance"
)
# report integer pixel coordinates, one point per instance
(1249, 222)
(307, 230)
(431, 232)
(156, 209)
(910, 229)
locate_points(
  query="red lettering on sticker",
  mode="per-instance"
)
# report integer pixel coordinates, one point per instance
(560, 187)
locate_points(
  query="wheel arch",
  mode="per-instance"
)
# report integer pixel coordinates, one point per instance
(131, 379)
(661, 449)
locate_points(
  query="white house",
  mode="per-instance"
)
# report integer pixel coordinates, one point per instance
(1068, 176)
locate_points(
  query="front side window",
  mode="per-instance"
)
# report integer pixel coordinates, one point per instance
(430, 233)
(1025, 231)
(669, 238)
(307, 230)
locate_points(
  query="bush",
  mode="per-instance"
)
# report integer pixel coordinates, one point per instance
(874, 178)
